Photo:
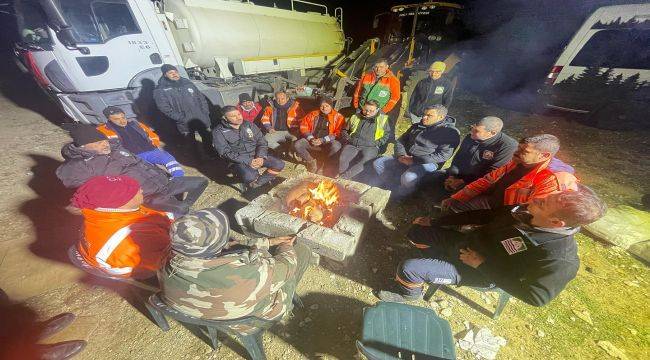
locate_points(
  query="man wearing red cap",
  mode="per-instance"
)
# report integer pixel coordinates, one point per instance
(121, 237)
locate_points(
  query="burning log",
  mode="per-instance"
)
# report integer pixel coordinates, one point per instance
(313, 202)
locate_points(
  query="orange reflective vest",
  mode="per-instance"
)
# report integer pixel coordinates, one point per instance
(293, 114)
(539, 182)
(385, 90)
(153, 137)
(125, 242)
(335, 121)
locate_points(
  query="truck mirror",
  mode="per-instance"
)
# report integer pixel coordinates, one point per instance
(57, 21)
(375, 23)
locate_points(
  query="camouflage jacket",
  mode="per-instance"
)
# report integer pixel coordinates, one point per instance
(235, 284)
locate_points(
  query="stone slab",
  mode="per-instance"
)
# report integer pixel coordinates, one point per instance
(247, 214)
(326, 242)
(376, 198)
(273, 223)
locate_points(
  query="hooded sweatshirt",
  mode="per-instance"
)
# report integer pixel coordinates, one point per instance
(433, 144)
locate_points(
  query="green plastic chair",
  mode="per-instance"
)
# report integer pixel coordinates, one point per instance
(401, 331)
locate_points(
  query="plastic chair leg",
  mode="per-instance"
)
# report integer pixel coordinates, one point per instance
(212, 334)
(254, 345)
(431, 290)
(158, 316)
(504, 297)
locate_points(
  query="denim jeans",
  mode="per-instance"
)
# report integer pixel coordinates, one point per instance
(401, 178)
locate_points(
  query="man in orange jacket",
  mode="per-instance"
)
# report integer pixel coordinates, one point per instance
(380, 85)
(533, 172)
(280, 120)
(139, 139)
(320, 131)
(120, 237)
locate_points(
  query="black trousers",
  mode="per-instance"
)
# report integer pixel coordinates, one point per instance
(307, 151)
(353, 158)
(169, 198)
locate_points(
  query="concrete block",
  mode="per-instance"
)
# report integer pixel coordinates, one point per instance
(247, 214)
(352, 222)
(273, 223)
(326, 242)
(267, 202)
(376, 198)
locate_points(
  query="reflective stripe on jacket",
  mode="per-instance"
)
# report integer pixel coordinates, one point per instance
(293, 113)
(381, 120)
(539, 182)
(122, 242)
(335, 121)
(148, 132)
(385, 90)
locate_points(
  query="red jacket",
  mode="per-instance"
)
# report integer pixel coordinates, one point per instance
(539, 182)
(153, 137)
(386, 91)
(335, 120)
(122, 242)
(293, 114)
(250, 115)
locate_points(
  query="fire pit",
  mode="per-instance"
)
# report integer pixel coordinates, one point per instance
(326, 214)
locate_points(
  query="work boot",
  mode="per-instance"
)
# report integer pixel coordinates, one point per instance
(385, 295)
(54, 325)
(311, 165)
(60, 351)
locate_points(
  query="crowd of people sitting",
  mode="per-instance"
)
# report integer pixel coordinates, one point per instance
(509, 209)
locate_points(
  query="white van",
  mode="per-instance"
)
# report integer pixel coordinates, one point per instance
(604, 71)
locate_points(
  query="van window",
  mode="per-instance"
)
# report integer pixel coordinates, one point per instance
(96, 22)
(616, 48)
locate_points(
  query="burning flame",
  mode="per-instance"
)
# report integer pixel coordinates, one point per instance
(318, 204)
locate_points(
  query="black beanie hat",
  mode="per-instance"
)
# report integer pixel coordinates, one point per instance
(244, 97)
(165, 68)
(112, 110)
(86, 134)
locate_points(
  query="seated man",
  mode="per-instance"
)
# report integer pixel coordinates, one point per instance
(435, 89)
(210, 277)
(280, 120)
(242, 144)
(363, 135)
(92, 154)
(120, 236)
(320, 130)
(139, 139)
(249, 109)
(419, 151)
(528, 252)
(484, 149)
(526, 176)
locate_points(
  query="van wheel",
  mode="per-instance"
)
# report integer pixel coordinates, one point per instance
(617, 116)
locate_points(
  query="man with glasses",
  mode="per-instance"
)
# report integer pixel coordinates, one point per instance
(432, 90)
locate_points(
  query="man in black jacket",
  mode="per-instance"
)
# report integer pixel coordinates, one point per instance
(92, 154)
(435, 89)
(181, 101)
(363, 135)
(243, 145)
(528, 251)
(421, 150)
(484, 149)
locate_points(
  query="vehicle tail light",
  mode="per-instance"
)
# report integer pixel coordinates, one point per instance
(33, 67)
(552, 76)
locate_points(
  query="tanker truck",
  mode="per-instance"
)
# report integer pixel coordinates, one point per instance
(89, 54)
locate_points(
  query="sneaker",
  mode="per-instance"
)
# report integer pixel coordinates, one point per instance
(54, 325)
(385, 295)
(60, 351)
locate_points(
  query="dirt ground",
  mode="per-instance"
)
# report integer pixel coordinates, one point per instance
(611, 287)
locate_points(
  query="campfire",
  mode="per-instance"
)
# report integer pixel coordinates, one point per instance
(315, 202)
